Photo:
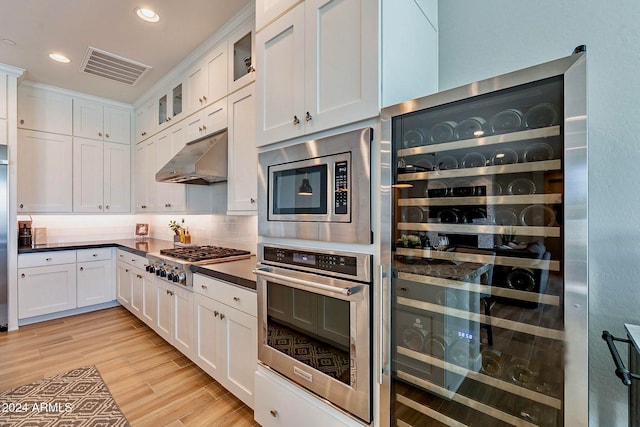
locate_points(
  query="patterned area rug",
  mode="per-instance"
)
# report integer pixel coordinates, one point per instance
(327, 359)
(77, 398)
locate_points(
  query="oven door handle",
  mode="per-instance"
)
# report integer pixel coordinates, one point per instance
(262, 271)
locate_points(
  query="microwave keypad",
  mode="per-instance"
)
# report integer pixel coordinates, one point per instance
(341, 193)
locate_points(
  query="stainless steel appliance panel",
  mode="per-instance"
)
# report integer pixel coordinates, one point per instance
(3, 237)
(339, 210)
(487, 196)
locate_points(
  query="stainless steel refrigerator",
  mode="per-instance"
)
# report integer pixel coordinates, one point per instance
(4, 201)
(484, 262)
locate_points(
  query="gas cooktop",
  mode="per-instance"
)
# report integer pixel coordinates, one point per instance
(204, 253)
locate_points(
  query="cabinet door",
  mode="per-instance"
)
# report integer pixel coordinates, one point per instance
(149, 300)
(140, 162)
(147, 176)
(137, 290)
(268, 10)
(214, 117)
(341, 67)
(215, 65)
(144, 117)
(44, 110)
(171, 196)
(166, 311)
(240, 341)
(207, 334)
(183, 327)
(88, 119)
(3, 96)
(44, 290)
(123, 284)
(242, 187)
(241, 56)
(88, 175)
(45, 172)
(117, 178)
(280, 80)
(95, 282)
(117, 125)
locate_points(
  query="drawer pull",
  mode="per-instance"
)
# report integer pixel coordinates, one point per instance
(221, 316)
(215, 314)
(94, 255)
(138, 276)
(133, 260)
(273, 413)
(48, 259)
(203, 286)
(236, 299)
(81, 268)
(23, 275)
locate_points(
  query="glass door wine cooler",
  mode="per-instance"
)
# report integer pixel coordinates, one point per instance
(485, 305)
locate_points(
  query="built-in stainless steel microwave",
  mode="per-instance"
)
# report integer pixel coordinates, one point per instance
(318, 189)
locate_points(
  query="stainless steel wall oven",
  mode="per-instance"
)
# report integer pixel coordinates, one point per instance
(314, 322)
(318, 190)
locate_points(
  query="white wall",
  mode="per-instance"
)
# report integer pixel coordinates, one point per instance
(483, 39)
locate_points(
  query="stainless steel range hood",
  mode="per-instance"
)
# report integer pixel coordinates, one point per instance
(203, 161)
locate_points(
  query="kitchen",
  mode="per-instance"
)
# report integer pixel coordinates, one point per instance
(547, 36)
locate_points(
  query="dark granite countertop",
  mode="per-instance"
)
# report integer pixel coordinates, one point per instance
(237, 272)
(138, 247)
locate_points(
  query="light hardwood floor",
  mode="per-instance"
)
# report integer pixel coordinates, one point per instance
(152, 382)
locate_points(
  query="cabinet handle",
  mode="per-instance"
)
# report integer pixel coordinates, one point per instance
(308, 117)
(121, 256)
(48, 259)
(133, 260)
(252, 200)
(126, 270)
(204, 127)
(204, 98)
(296, 121)
(99, 133)
(94, 255)
(200, 128)
(100, 207)
(236, 299)
(81, 268)
(144, 133)
(221, 316)
(23, 275)
(168, 118)
(21, 206)
(203, 286)
(170, 293)
(21, 122)
(107, 135)
(273, 413)
(138, 276)
(215, 314)
(106, 207)
(200, 100)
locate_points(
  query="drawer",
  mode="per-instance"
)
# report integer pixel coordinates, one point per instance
(40, 259)
(97, 254)
(131, 259)
(234, 296)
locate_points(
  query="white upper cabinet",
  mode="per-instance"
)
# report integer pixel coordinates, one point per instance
(207, 80)
(45, 172)
(170, 196)
(269, 10)
(3, 96)
(242, 153)
(145, 125)
(241, 57)
(101, 172)
(44, 110)
(95, 120)
(211, 119)
(317, 69)
(280, 78)
(170, 104)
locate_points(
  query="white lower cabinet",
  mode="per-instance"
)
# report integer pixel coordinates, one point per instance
(137, 289)
(174, 321)
(280, 403)
(149, 300)
(226, 335)
(45, 290)
(123, 284)
(57, 281)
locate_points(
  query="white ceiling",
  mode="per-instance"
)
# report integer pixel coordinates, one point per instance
(39, 27)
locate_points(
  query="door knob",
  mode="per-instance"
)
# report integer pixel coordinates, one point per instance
(81, 268)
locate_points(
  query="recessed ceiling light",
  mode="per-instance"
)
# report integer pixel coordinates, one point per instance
(147, 14)
(59, 57)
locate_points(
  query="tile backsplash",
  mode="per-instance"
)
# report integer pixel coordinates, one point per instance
(223, 230)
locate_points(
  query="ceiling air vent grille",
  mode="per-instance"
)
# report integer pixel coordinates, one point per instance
(113, 67)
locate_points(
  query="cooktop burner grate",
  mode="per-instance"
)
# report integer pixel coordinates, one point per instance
(202, 253)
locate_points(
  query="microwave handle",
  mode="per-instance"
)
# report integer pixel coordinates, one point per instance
(263, 271)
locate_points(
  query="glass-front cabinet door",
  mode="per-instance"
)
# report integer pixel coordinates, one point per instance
(481, 210)
(170, 104)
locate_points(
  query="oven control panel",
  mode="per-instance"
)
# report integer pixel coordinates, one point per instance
(341, 180)
(321, 262)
